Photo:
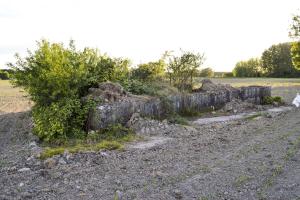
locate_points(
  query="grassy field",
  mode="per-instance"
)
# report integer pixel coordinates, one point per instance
(14, 100)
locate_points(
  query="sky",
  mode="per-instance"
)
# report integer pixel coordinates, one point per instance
(142, 30)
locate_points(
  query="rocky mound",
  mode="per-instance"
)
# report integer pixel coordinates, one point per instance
(107, 92)
(209, 86)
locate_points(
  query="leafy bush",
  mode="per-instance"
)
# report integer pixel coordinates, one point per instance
(61, 120)
(271, 100)
(152, 88)
(56, 78)
(149, 71)
(4, 75)
(206, 72)
(227, 75)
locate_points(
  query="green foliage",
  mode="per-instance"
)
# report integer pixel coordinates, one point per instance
(206, 72)
(295, 33)
(249, 68)
(4, 75)
(54, 72)
(150, 71)
(295, 27)
(227, 75)
(277, 61)
(183, 69)
(137, 87)
(111, 138)
(177, 119)
(113, 132)
(61, 120)
(49, 152)
(295, 53)
(152, 88)
(271, 100)
(56, 78)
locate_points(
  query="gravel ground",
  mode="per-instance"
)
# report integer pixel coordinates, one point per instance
(242, 159)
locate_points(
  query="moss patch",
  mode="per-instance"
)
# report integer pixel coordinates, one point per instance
(111, 138)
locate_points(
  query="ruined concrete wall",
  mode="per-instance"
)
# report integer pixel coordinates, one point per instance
(121, 111)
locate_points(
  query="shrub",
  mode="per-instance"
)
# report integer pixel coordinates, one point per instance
(271, 100)
(227, 75)
(152, 88)
(4, 75)
(61, 120)
(206, 72)
(149, 71)
(56, 78)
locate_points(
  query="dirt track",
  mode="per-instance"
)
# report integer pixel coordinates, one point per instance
(244, 159)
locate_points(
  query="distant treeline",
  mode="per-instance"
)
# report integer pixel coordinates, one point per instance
(276, 61)
(5, 74)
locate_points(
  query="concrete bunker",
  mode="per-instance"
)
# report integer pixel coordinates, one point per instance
(117, 106)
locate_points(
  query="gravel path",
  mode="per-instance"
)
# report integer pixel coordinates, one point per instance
(241, 159)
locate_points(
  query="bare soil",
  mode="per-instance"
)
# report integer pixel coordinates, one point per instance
(255, 158)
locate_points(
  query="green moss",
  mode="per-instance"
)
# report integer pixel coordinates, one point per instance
(111, 138)
(109, 145)
(49, 152)
(271, 100)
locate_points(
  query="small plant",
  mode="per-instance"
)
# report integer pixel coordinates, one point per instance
(177, 119)
(242, 180)
(271, 100)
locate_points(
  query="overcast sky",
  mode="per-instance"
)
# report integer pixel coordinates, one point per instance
(141, 30)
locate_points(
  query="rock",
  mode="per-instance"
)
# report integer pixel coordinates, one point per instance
(62, 161)
(107, 91)
(104, 154)
(177, 194)
(21, 184)
(32, 144)
(270, 115)
(25, 169)
(67, 155)
(50, 162)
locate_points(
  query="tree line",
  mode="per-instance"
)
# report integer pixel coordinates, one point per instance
(280, 60)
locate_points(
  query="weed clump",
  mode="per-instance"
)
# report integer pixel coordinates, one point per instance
(272, 100)
(111, 138)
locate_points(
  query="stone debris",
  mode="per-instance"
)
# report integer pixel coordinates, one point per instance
(239, 106)
(209, 86)
(25, 169)
(50, 162)
(108, 92)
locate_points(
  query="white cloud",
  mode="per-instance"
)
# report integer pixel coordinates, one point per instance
(226, 31)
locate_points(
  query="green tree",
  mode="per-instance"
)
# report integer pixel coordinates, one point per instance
(182, 69)
(277, 61)
(295, 34)
(150, 71)
(206, 72)
(249, 68)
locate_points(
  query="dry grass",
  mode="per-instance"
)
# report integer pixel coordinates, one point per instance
(12, 99)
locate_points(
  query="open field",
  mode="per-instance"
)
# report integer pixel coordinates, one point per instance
(12, 99)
